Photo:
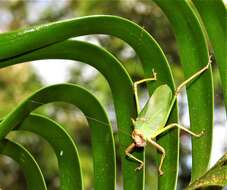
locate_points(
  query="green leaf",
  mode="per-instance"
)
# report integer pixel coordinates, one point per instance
(213, 14)
(110, 68)
(64, 148)
(102, 137)
(194, 56)
(216, 176)
(30, 168)
(28, 40)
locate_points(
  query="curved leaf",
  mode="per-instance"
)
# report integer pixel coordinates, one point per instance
(102, 137)
(216, 176)
(27, 163)
(213, 14)
(64, 148)
(194, 55)
(147, 49)
(110, 68)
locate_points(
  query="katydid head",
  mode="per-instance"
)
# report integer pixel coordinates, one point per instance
(138, 138)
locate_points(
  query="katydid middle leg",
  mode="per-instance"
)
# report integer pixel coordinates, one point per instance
(162, 150)
(170, 126)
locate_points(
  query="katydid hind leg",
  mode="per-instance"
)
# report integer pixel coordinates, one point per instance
(128, 152)
(170, 126)
(135, 85)
(162, 150)
(193, 77)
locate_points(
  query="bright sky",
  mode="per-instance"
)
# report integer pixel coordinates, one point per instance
(225, 2)
(52, 71)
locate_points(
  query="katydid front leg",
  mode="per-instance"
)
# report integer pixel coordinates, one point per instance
(138, 138)
(128, 152)
(139, 82)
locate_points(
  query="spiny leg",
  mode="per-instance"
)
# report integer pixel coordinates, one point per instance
(128, 152)
(180, 127)
(193, 77)
(162, 150)
(139, 82)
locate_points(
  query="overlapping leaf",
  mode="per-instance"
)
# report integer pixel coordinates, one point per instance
(102, 137)
(27, 41)
(50, 41)
(64, 148)
(32, 172)
(194, 56)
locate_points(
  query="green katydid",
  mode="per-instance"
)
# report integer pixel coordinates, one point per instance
(152, 118)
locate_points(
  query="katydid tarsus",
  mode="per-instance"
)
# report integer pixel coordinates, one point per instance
(152, 118)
